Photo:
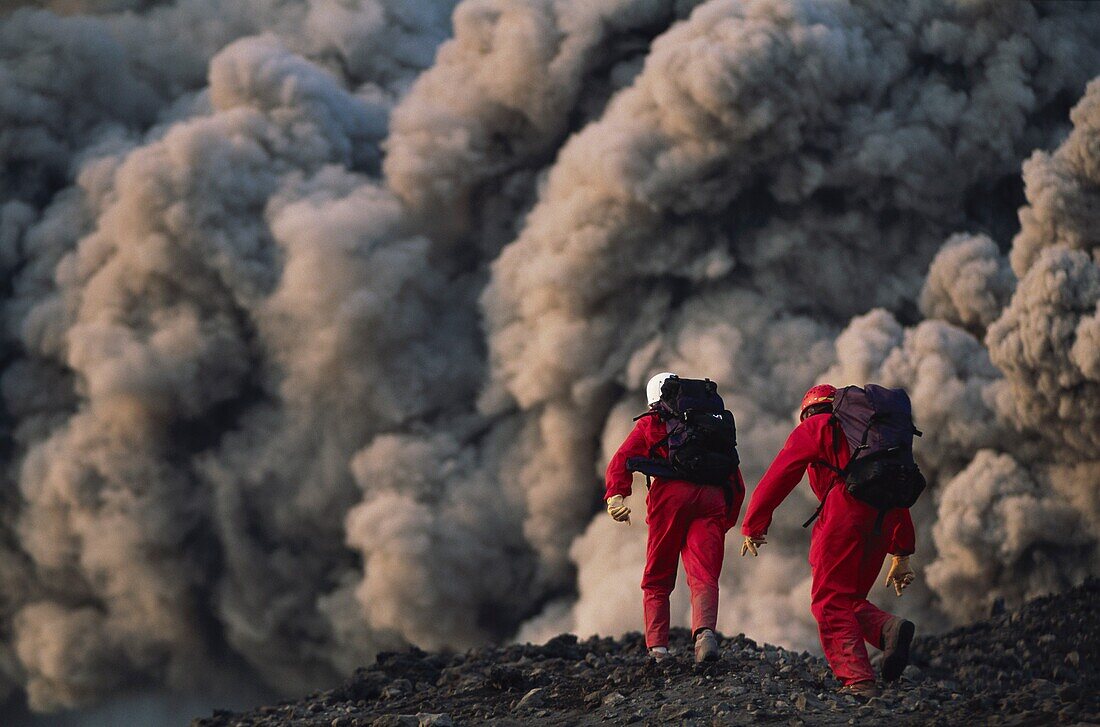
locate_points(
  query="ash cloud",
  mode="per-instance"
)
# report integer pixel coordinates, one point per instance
(1002, 532)
(1016, 513)
(322, 317)
(968, 284)
(803, 154)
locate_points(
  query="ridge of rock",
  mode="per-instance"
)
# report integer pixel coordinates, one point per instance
(1036, 665)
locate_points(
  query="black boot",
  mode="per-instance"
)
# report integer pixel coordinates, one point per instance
(897, 635)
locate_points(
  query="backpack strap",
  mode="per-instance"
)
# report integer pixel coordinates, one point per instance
(817, 511)
(820, 507)
(863, 441)
(653, 449)
(838, 434)
(878, 522)
(838, 441)
(665, 417)
(658, 444)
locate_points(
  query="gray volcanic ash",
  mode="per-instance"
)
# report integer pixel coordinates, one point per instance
(320, 317)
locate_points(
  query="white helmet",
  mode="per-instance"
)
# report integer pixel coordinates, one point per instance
(653, 388)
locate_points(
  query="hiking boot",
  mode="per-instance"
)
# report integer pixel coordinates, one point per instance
(706, 646)
(862, 690)
(897, 635)
(659, 653)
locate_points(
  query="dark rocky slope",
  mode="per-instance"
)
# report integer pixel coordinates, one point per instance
(1038, 665)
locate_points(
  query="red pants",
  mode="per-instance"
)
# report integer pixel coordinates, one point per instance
(845, 558)
(689, 520)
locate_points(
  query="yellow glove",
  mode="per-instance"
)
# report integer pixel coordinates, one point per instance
(618, 511)
(900, 575)
(752, 543)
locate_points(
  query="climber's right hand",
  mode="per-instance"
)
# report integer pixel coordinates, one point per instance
(618, 510)
(752, 543)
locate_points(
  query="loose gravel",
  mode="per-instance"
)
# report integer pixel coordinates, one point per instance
(1038, 665)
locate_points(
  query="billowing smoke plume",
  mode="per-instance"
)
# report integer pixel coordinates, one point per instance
(1016, 422)
(806, 178)
(319, 326)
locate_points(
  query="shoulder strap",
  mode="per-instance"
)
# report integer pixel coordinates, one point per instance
(838, 434)
(838, 440)
(657, 445)
(820, 507)
(878, 522)
(866, 433)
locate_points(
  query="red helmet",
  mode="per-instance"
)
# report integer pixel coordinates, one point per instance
(820, 394)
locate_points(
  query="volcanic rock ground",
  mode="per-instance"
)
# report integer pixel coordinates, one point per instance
(1038, 665)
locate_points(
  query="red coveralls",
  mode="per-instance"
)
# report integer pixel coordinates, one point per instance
(684, 519)
(845, 554)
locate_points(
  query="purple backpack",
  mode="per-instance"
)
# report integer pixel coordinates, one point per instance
(701, 438)
(878, 425)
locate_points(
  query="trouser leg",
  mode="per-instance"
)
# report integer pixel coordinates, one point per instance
(664, 541)
(703, 552)
(837, 554)
(841, 636)
(871, 618)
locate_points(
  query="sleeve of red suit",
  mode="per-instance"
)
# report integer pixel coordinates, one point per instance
(783, 475)
(618, 479)
(903, 540)
(737, 482)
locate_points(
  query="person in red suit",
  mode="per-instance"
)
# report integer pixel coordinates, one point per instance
(686, 520)
(846, 549)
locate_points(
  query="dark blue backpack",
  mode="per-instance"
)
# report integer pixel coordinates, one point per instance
(877, 423)
(701, 439)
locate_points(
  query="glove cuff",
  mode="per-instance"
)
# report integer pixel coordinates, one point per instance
(901, 559)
